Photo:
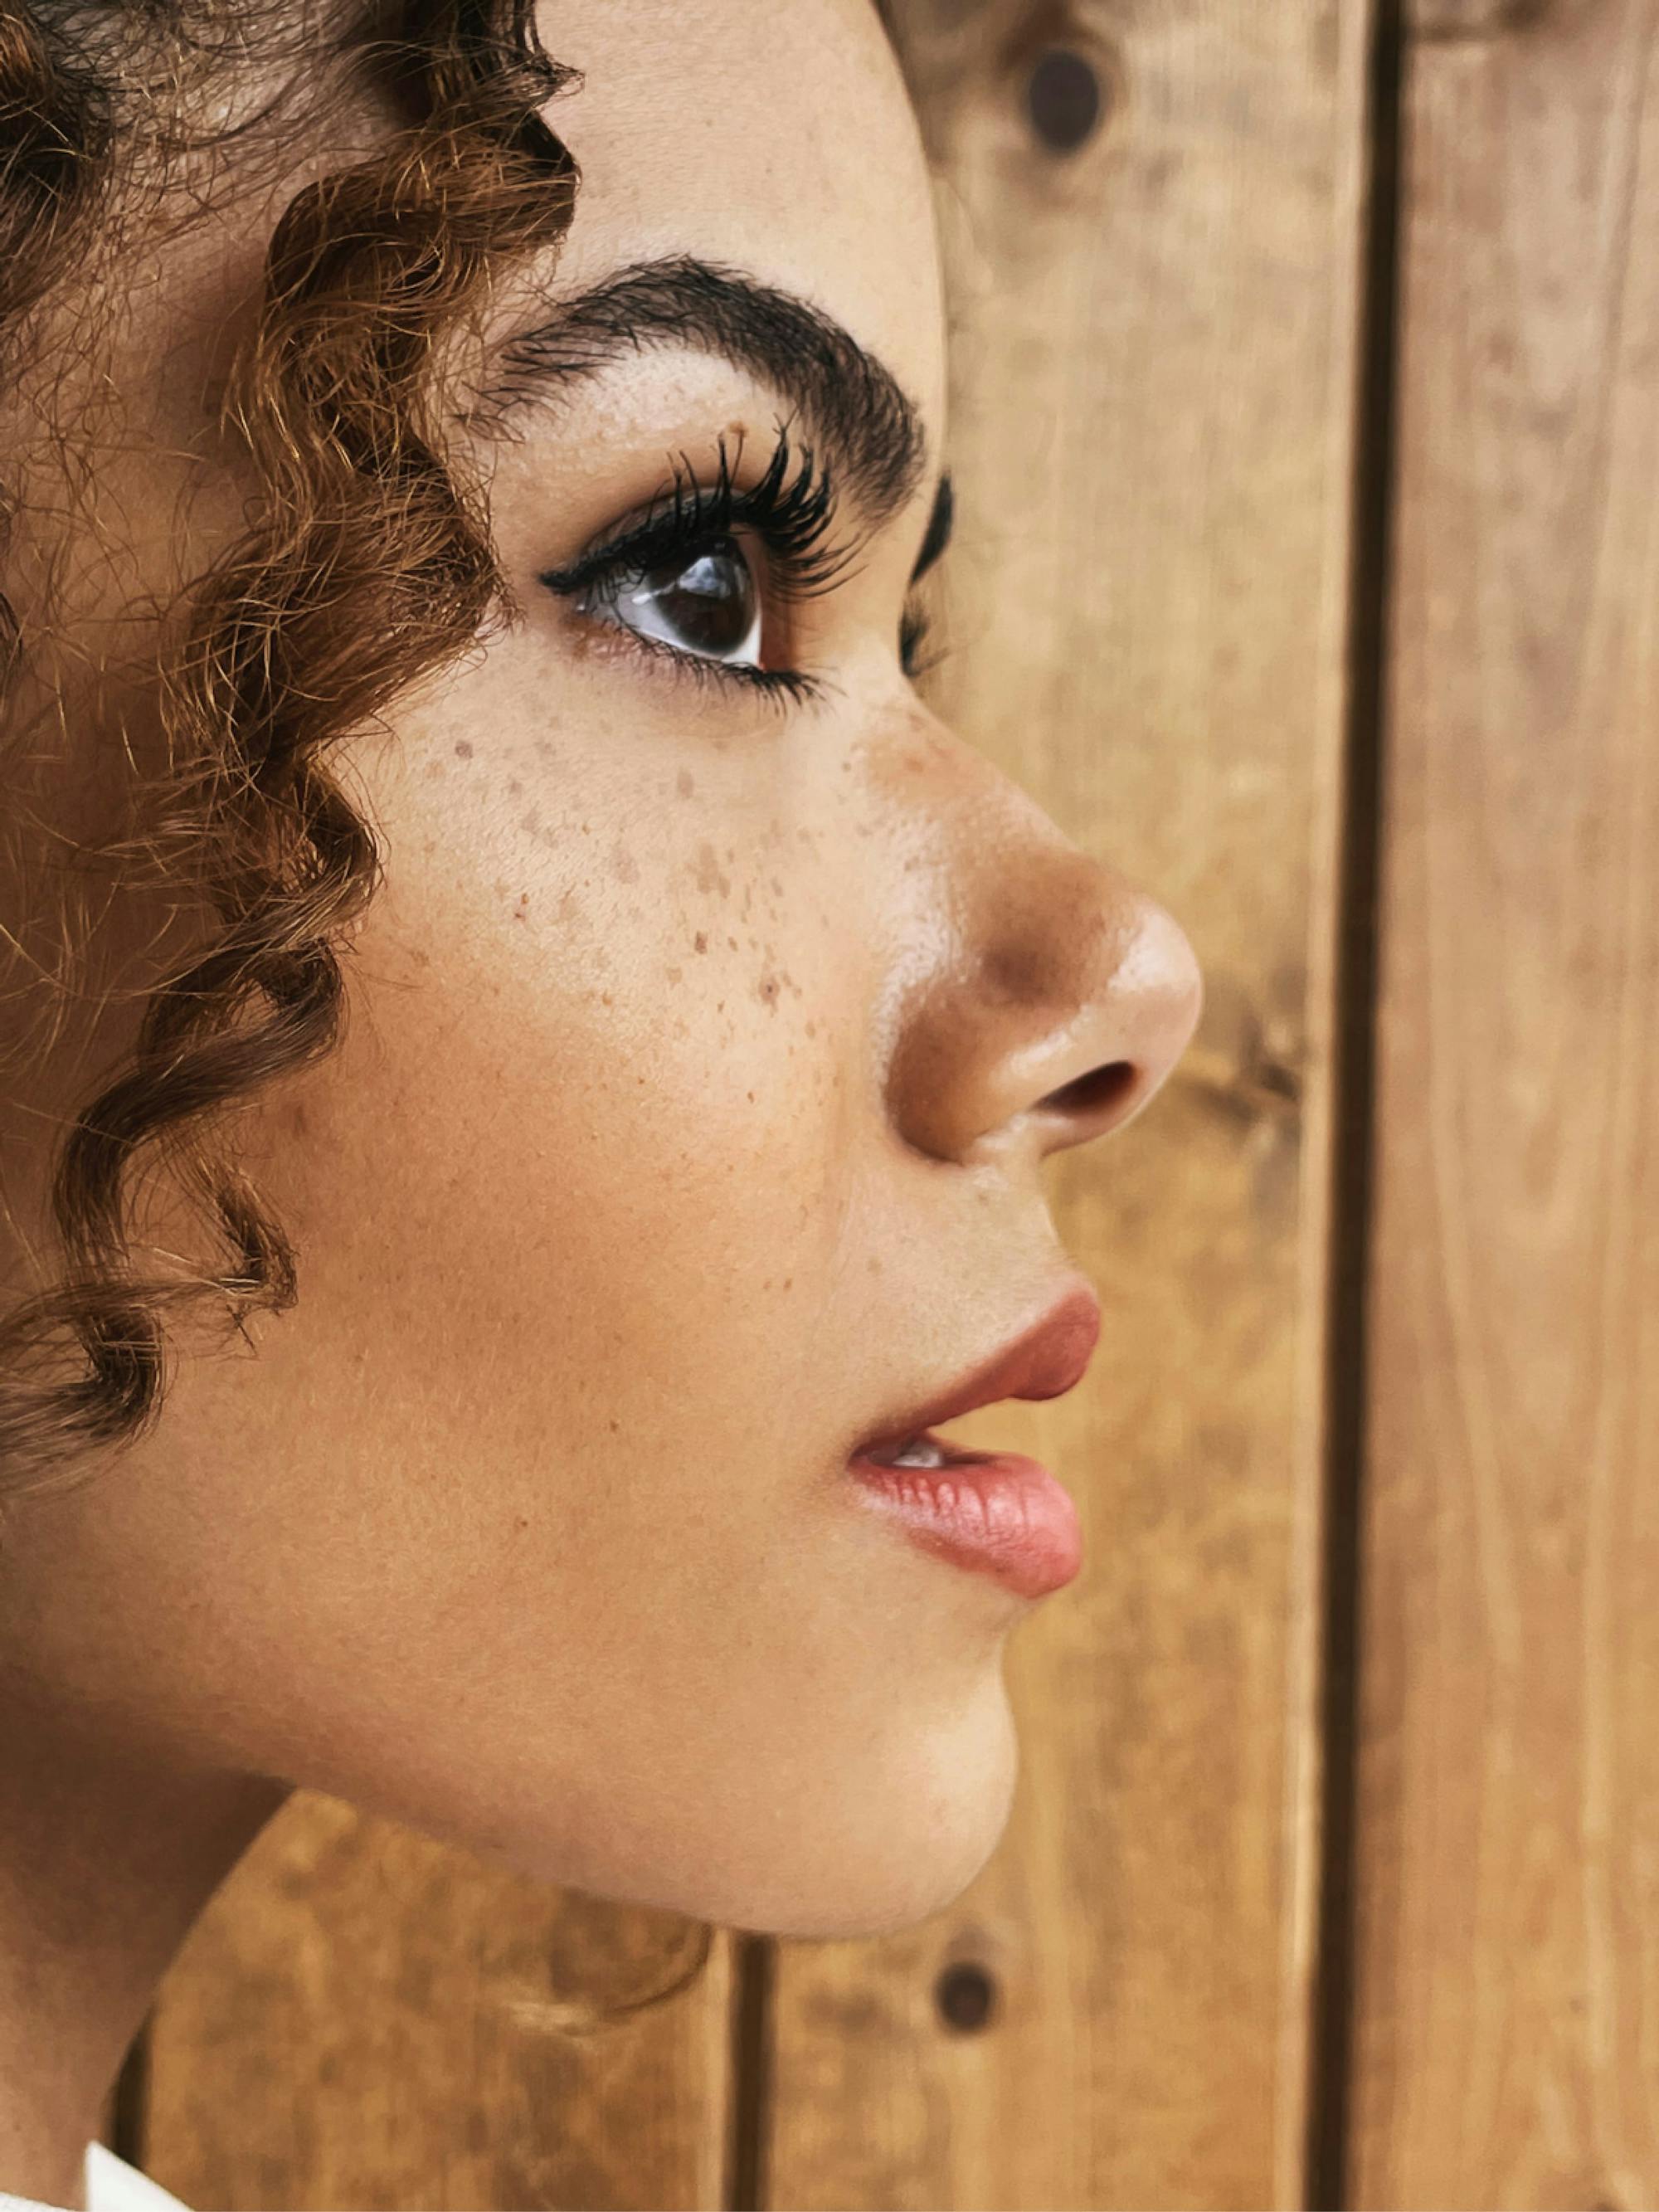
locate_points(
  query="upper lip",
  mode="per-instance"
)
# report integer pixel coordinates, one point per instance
(1043, 1362)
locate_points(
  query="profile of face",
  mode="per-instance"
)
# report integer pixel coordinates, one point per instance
(705, 1039)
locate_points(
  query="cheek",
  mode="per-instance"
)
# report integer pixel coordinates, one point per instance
(528, 1526)
(575, 1244)
(583, 1163)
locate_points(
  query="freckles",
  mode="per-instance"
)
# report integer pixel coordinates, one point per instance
(463, 750)
(769, 979)
(770, 986)
(708, 875)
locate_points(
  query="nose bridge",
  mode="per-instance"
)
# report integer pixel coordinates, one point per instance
(1056, 1004)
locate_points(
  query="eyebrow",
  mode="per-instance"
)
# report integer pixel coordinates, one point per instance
(849, 399)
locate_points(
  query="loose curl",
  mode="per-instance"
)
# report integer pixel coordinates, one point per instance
(369, 566)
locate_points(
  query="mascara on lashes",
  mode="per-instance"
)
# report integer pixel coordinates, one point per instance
(794, 520)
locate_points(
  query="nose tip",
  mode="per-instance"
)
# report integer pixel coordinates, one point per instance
(1133, 1028)
(1079, 997)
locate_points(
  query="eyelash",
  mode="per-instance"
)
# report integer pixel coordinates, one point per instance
(792, 518)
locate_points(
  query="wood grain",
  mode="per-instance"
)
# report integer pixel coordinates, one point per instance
(1507, 1975)
(366, 2017)
(1154, 418)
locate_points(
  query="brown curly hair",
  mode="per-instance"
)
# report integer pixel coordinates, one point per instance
(368, 565)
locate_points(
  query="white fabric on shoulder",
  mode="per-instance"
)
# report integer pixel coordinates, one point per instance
(112, 2185)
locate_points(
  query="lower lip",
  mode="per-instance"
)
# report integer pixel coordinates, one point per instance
(996, 1514)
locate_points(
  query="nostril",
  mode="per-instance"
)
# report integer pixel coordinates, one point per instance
(1095, 1093)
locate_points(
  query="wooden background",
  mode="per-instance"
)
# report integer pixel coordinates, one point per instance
(1307, 436)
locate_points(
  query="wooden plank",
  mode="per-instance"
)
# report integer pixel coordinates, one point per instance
(366, 2017)
(1152, 431)
(1507, 1971)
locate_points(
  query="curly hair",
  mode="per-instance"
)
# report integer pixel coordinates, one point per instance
(368, 564)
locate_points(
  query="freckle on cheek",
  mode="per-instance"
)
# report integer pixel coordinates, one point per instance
(463, 750)
(700, 942)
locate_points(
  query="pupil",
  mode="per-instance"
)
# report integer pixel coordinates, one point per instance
(710, 601)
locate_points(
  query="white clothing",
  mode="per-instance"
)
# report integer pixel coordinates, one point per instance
(112, 2185)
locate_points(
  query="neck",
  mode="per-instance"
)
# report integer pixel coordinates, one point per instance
(107, 1854)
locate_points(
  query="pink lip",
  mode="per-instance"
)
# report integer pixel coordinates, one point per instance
(997, 1514)
(1044, 1362)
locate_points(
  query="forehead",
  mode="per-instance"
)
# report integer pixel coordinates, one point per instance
(773, 134)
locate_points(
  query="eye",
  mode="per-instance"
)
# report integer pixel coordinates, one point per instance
(703, 600)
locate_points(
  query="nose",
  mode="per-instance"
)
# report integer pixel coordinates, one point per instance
(1054, 1007)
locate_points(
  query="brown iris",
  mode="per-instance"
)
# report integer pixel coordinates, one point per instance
(706, 604)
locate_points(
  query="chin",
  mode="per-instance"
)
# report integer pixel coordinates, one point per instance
(906, 1849)
(865, 1845)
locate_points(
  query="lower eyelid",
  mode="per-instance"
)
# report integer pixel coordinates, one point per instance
(778, 689)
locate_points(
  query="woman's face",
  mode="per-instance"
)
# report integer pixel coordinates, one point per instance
(687, 1128)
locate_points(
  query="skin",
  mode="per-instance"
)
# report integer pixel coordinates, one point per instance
(689, 1120)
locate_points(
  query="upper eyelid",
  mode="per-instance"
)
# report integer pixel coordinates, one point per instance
(611, 551)
(655, 524)
(798, 513)
(630, 541)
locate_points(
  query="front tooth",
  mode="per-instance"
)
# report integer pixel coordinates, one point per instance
(920, 1451)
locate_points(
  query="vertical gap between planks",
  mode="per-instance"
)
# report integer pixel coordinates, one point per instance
(1354, 1077)
(747, 2180)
